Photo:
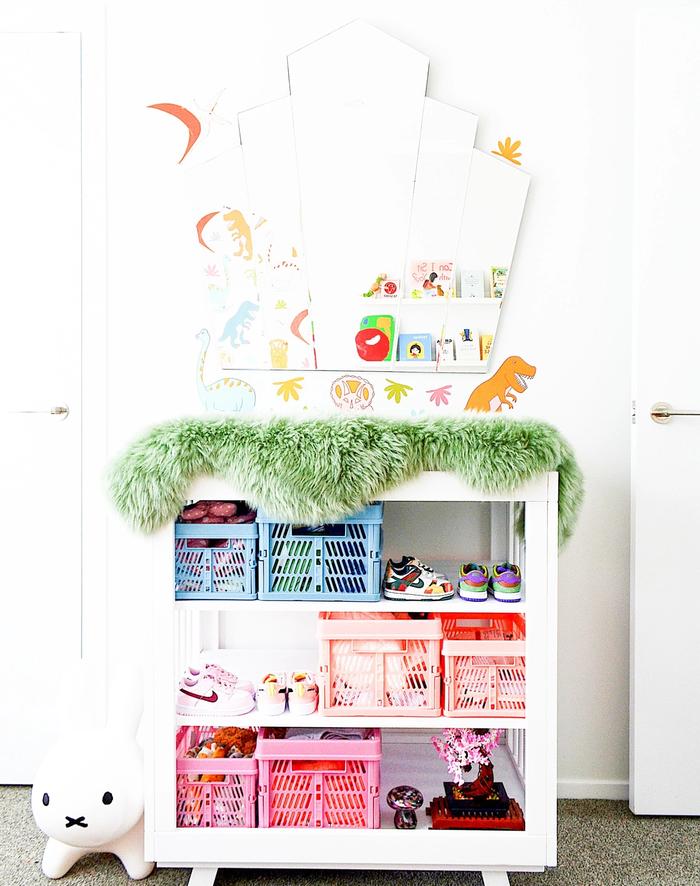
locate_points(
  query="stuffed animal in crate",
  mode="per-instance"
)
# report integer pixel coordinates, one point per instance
(88, 796)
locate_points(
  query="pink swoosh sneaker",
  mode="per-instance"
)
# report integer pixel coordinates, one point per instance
(204, 694)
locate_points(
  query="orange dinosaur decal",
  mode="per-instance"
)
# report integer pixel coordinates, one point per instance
(498, 391)
(240, 233)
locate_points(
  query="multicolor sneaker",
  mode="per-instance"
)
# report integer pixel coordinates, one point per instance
(409, 579)
(271, 694)
(505, 582)
(211, 697)
(473, 582)
(303, 693)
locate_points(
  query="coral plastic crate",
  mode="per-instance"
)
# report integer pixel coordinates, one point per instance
(375, 666)
(213, 793)
(319, 783)
(484, 659)
(224, 572)
(332, 561)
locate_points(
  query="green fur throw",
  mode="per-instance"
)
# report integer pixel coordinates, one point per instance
(314, 471)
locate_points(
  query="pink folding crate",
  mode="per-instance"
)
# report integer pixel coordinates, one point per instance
(318, 782)
(379, 666)
(484, 659)
(228, 802)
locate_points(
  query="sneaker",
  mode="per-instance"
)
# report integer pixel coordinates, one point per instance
(218, 673)
(303, 693)
(409, 579)
(473, 582)
(505, 582)
(271, 694)
(206, 695)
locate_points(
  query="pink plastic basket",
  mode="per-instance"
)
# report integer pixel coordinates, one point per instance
(318, 783)
(229, 803)
(484, 665)
(380, 667)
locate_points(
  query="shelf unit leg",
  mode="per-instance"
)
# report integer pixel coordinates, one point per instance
(207, 876)
(495, 878)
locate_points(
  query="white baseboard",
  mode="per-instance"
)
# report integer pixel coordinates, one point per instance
(593, 789)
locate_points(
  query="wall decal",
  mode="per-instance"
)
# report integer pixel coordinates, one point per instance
(279, 353)
(194, 127)
(498, 391)
(225, 394)
(509, 151)
(440, 396)
(211, 271)
(280, 304)
(240, 233)
(396, 390)
(201, 224)
(236, 326)
(351, 392)
(296, 323)
(289, 388)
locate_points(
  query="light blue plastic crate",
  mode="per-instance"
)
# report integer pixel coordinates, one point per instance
(222, 573)
(335, 561)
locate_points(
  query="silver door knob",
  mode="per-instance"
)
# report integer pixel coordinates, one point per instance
(63, 411)
(661, 413)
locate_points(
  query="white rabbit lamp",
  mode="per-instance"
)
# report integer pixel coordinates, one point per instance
(88, 797)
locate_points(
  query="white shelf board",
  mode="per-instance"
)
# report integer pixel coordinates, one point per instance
(433, 302)
(349, 849)
(260, 607)
(317, 720)
(429, 486)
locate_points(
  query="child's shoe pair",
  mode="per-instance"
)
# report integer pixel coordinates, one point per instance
(410, 579)
(297, 689)
(213, 691)
(505, 582)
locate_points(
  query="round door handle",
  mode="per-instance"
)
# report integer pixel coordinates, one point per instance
(62, 410)
(661, 412)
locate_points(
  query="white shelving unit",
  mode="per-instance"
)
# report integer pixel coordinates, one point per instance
(190, 631)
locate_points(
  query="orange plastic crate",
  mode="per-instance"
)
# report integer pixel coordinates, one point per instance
(484, 665)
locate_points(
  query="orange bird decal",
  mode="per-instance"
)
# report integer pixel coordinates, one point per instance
(194, 127)
(201, 224)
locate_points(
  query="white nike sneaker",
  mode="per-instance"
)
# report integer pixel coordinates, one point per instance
(218, 673)
(207, 696)
(271, 694)
(303, 693)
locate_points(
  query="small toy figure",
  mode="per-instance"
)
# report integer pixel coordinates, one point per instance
(405, 800)
(375, 287)
(429, 282)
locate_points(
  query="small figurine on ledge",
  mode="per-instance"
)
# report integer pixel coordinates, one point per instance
(405, 800)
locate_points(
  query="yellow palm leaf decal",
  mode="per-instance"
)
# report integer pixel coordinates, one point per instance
(396, 391)
(289, 388)
(509, 151)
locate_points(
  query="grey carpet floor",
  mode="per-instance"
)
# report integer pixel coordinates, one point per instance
(600, 844)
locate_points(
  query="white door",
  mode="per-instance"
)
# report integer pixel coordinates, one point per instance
(665, 662)
(40, 332)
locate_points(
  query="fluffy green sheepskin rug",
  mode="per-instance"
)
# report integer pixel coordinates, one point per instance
(314, 471)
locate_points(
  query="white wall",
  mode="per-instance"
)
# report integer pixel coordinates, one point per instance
(556, 75)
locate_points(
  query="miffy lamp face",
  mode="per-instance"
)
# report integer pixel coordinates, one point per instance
(89, 791)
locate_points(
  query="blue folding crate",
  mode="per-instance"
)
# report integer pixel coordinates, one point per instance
(218, 573)
(333, 561)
